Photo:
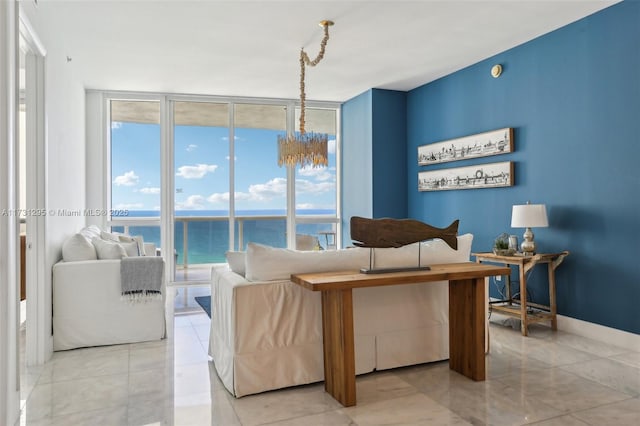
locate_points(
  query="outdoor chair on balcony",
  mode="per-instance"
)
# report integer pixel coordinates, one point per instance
(307, 242)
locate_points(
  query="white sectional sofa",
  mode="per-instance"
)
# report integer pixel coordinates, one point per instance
(266, 332)
(88, 307)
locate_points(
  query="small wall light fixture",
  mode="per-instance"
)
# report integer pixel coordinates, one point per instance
(496, 71)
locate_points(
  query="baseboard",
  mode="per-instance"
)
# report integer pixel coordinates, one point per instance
(611, 336)
(601, 333)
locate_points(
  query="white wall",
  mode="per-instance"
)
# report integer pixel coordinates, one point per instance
(9, 383)
(65, 146)
(97, 173)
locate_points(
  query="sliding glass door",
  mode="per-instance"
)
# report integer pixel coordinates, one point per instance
(201, 173)
(260, 186)
(134, 153)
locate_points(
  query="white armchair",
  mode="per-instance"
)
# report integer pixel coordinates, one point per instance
(88, 306)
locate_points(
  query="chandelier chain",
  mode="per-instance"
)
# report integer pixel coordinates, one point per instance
(306, 148)
(305, 60)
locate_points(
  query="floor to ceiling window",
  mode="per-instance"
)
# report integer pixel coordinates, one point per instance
(134, 166)
(225, 185)
(201, 170)
(260, 186)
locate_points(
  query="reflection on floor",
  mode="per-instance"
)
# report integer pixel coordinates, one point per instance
(184, 297)
(547, 379)
(197, 272)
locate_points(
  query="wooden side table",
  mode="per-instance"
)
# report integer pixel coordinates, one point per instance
(527, 312)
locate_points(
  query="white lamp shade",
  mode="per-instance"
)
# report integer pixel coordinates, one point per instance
(529, 216)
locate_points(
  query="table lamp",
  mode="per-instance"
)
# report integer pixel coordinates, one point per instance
(529, 216)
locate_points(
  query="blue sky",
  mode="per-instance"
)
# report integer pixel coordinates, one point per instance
(202, 170)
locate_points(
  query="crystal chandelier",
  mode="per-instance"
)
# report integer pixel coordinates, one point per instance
(305, 148)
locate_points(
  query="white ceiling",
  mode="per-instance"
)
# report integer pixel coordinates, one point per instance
(251, 48)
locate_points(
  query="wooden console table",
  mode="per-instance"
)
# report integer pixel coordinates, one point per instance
(521, 308)
(467, 316)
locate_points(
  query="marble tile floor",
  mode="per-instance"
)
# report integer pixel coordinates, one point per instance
(184, 301)
(546, 379)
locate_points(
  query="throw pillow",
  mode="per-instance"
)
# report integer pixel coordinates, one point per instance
(431, 252)
(90, 231)
(108, 249)
(131, 248)
(437, 251)
(76, 248)
(138, 240)
(264, 263)
(109, 236)
(236, 261)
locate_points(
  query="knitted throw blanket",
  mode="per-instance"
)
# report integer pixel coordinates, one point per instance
(141, 277)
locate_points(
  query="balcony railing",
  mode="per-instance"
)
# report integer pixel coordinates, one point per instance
(207, 237)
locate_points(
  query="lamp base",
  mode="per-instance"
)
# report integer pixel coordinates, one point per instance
(528, 246)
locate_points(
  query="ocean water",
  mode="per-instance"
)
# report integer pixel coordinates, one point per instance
(208, 240)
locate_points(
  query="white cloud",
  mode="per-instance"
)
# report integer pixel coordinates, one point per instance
(196, 172)
(116, 124)
(311, 206)
(130, 206)
(318, 173)
(127, 179)
(307, 187)
(305, 206)
(191, 147)
(274, 188)
(150, 190)
(223, 197)
(193, 202)
(220, 197)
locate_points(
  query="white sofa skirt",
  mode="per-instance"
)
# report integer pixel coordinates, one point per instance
(268, 335)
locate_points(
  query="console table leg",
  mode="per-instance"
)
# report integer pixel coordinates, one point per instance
(467, 327)
(338, 344)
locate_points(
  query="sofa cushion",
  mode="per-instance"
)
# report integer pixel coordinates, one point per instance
(134, 245)
(135, 249)
(236, 261)
(431, 252)
(108, 249)
(264, 263)
(77, 248)
(109, 236)
(131, 248)
(90, 231)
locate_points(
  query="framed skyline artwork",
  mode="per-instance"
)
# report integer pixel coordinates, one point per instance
(480, 145)
(492, 175)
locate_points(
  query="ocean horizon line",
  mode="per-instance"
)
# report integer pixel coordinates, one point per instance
(218, 213)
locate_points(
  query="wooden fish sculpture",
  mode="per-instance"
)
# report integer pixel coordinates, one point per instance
(378, 233)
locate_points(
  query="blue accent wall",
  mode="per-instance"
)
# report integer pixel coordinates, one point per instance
(374, 157)
(357, 185)
(389, 111)
(573, 98)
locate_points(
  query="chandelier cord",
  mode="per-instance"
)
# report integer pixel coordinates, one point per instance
(305, 148)
(305, 60)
